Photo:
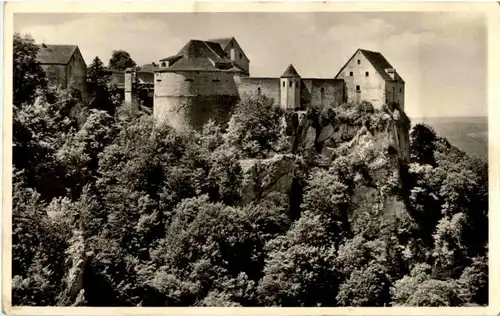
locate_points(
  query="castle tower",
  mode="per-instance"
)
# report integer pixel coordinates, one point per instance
(290, 89)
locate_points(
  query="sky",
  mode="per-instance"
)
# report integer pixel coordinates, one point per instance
(442, 56)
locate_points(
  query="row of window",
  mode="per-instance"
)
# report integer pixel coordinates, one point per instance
(393, 89)
(291, 84)
(352, 74)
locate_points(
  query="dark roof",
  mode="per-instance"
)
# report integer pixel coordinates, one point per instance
(290, 72)
(223, 42)
(199, 55)
(216, 47)
(148, 68)
(378, 61)
(55, 54)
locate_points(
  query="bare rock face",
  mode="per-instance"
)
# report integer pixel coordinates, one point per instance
(263, 176)
(74, 293)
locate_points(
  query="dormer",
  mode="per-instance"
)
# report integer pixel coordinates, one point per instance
(391, 72)
(169, 61)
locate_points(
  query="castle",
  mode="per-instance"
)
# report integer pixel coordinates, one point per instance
(207, 78)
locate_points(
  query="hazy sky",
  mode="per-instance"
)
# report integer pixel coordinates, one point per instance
(441, 56)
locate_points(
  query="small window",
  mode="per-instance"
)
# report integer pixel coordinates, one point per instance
(351, 74)
(163, 64)
(393, 88)
(215, 80)
(367, 74)
(291, 83)
(258, 90)
(322, 89)
(189, 79)
(357, 88)
(283, 84)
(400, 89)
(359, 62)
(241, 55)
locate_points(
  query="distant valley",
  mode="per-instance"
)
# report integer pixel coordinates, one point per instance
(469, 134)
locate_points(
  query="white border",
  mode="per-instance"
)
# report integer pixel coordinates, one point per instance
(492, 9)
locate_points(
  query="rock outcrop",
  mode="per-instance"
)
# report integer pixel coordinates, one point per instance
(263, 176)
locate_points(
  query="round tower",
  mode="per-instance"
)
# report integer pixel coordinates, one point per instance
(290, 89)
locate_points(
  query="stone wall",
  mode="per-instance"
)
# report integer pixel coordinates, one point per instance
(193, 111)
(321, 92)
(395, 92)
(56, 75)
(270, 87)
(77, 72)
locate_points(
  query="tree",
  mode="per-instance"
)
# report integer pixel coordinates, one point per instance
(121, 60)
(422, 138)
(98, 84)
(28, 73)
(366, 287)
(255, 128)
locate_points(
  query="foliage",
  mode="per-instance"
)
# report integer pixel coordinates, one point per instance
(121, 60)
(98, 86)
(255, 129)
(146, 216)
(29, 76)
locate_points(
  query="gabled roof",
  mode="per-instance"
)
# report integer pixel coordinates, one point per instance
(290, 72)
(55, 54)
(223, 42)
(378, 61)
(199, 55)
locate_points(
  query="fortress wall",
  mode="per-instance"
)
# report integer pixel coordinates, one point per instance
(313, 95)
(269, 87)
(192, 83)
(190, 99)
(181, 112)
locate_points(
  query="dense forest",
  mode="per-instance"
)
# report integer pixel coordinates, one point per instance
(111, 209)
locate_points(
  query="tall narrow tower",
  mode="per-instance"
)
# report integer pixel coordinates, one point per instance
(290, 89)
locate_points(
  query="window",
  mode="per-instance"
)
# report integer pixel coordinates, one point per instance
(241, 55)
(291, 83)
(400, 89)
(258, 90)
(215, 80)
(189, 79)
(357, 88)
(351, 74)
(359, 62)
(283, 84)
(163, 64)
(367, 74)
(393, 88)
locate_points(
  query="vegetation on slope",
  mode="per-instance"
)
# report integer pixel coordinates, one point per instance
(111, 210)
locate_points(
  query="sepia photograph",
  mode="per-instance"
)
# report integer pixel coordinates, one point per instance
(249, 159)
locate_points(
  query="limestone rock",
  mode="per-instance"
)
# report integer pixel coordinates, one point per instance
(263, 176)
